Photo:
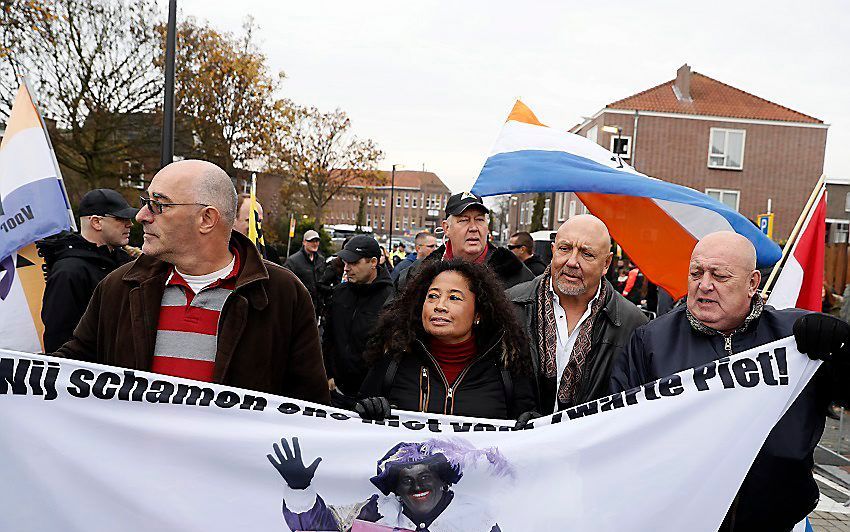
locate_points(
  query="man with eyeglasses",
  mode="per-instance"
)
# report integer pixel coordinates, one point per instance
(466, 228)
(424, 243)
(200, 302)
(77, 262)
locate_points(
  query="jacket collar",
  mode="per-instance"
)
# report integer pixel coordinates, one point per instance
(756, 308)
(253, 270)
(611, 308)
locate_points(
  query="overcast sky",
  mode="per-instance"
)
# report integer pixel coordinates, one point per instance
(432, 82)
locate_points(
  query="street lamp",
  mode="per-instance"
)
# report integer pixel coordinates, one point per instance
(392, 205)
(515, 199)
(616, 130)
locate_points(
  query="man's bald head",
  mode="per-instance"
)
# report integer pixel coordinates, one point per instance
(581, 254)
(211, 184)
(722, 280)
(587, 225)
(735, 248)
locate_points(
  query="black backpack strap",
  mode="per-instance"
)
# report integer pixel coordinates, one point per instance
(389, 377)
(508, 385)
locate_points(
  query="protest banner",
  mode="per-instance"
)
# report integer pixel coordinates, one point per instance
(97, 448)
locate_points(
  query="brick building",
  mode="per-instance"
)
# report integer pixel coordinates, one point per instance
(420, 198)
(837, 209)
(699, 132)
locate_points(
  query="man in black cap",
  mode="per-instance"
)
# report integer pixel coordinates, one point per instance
(309, 265)
(467, 230)
(77, 262)
(351, 316)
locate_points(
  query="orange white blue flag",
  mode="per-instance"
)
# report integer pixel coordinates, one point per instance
(657, 223)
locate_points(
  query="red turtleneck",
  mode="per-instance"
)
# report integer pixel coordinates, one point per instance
(452, 358)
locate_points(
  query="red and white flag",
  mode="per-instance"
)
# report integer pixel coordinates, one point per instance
(801, 281)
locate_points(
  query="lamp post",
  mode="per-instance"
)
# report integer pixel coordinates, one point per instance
(515, 199)
(392, 205)
(167, 147)
(616, 130)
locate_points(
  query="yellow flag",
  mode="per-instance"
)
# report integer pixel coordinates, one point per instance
(255, 225)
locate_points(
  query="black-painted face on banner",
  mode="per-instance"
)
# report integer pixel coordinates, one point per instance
(420, 488)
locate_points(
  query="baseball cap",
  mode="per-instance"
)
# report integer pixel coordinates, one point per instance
(103, 201)
(360, 246)
(311, 235)
(462, 201)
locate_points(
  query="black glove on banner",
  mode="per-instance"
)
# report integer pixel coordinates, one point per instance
(821, 336)
(374, 408)
(524, 419)
(290, 465)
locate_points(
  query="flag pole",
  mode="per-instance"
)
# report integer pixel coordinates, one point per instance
(792, 239)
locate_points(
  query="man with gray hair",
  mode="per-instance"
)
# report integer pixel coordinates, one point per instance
(200, 302)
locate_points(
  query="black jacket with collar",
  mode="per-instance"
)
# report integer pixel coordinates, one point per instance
(535, 264)
(74, 268)
(779, 490)
(510, 270)
(309, 273)
(485, 389)
(352, 315)
(611, 331)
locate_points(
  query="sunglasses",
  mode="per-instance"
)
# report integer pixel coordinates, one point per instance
(515, 246)
(156, 206)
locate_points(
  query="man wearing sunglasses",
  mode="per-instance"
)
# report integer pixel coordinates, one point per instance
(200, 302)
(77, 262)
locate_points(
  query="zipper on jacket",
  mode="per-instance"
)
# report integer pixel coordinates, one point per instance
(449, 405)
(424, 389)
(727, 344)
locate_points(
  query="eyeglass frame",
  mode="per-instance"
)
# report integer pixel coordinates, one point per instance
(515, 246)
(150, 202)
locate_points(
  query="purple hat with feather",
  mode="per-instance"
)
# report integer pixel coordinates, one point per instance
(446, 458)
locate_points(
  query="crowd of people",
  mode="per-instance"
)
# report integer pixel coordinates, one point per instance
(461, 327)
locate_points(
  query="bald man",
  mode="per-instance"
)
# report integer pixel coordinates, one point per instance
(200, 302)
(574, 318)
(725, 315)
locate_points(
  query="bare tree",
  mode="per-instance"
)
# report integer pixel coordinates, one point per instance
(92, 64)
(323, 156)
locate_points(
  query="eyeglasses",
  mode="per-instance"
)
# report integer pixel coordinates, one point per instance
(515, 246)
(156, 206)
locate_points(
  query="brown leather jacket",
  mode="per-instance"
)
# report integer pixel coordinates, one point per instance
(268, 340)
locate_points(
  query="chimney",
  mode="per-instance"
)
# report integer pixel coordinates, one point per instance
(682, 85)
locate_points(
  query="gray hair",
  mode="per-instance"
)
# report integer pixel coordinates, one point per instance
(216, 189)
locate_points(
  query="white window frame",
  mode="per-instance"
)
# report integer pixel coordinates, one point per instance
(383, 201)
(369, 201)
(398, 201)
(546, 208)
(726, 132)
(572, 208)
(847, 202)
(722, 192)
(628, 138)
(593, 134)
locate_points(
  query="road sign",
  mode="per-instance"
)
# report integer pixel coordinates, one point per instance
(765, 222)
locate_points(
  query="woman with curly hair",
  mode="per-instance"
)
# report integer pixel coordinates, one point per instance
(451, 344)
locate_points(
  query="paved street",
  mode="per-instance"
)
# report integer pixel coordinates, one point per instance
(832, 474)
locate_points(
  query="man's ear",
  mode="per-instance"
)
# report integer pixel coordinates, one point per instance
(445, 225)
(755, 280)
(608, 262)
(210, 218)
(96, 223)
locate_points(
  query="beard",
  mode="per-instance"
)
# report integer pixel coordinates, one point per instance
(571, 289)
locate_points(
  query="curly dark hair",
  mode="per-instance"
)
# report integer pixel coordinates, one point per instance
(400, 325)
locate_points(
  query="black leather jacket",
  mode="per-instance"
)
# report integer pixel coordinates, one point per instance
(309, 273)
(610, 334)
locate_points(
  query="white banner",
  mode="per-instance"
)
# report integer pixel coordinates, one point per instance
(94, 448)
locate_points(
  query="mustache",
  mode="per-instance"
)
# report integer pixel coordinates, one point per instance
(573, 272)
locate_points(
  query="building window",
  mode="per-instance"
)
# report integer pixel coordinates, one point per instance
(621, 146)
(369, 201)
(414, 202)
(383, 201)
(731, 198)
(592, 134)
(404, 225)
(398, 201)
(847, 202)
(572, 208)
(839, 230)
(397, 225)
(546, 213)
(726, 148)
(406, 199)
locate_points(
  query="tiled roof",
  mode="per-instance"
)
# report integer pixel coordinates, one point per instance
(405, 179)
(713, 98)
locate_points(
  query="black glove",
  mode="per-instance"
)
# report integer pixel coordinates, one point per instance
(291, 467)
(821, 336)
(525, 418)
(374, 408)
